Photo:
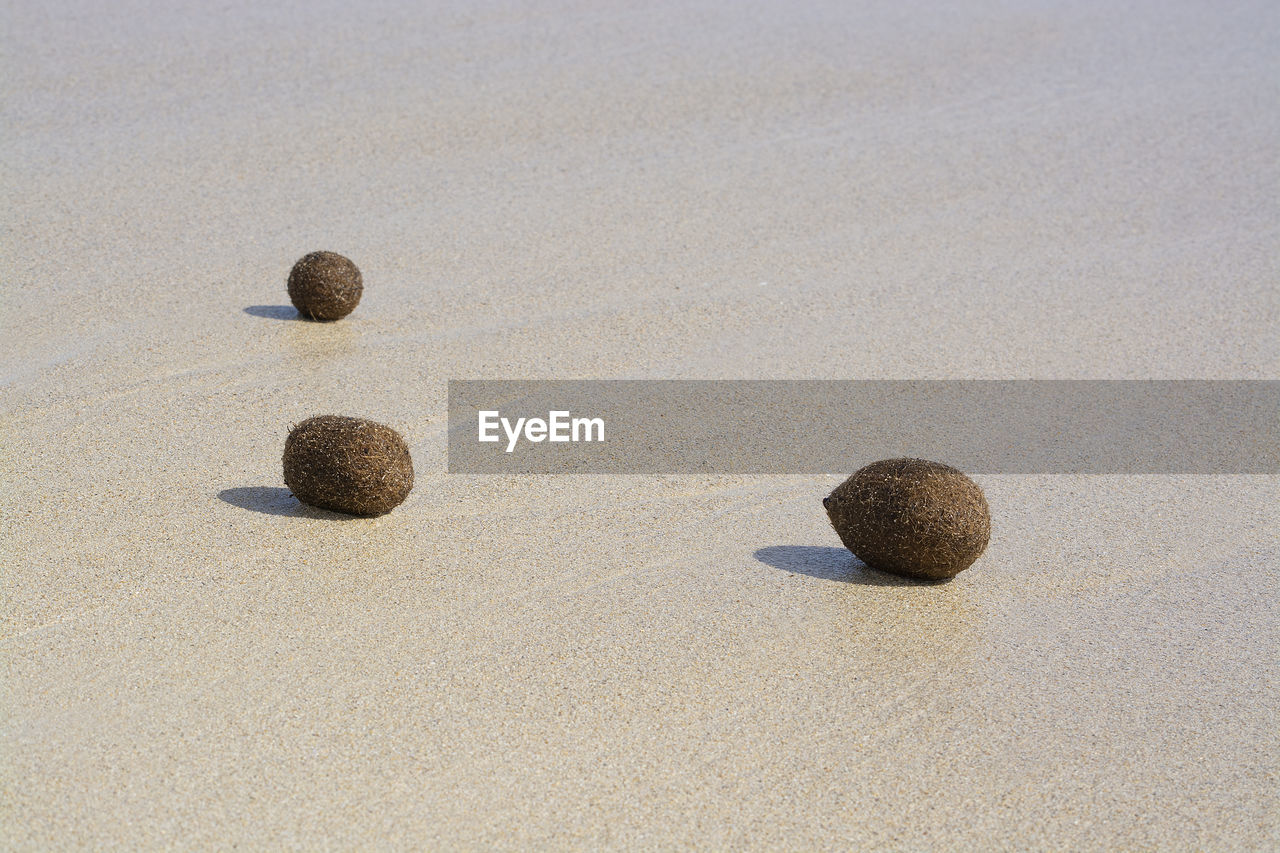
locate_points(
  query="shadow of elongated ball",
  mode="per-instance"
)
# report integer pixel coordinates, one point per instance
(911, 517)
(325, 286)
(347, 464)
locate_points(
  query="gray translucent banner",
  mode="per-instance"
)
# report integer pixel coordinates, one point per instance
(835, 427)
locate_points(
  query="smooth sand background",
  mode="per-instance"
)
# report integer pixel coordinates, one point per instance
(660, 189)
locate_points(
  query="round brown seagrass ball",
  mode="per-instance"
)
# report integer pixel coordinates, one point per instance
(325, 286)
(911, 517)
(347, 464)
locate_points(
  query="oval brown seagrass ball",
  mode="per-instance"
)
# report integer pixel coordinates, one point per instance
(325, 286)
(347, 464)
(911, 517)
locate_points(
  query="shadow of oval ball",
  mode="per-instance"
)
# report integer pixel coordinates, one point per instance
(911, 517)
(347, 464)
(325, 286)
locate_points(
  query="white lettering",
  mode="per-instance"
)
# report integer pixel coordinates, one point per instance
(559, 422)
(587, 424)
(558, 427)
(488, 422)
(513, 435)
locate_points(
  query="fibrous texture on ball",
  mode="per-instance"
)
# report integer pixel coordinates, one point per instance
(911, 517)
(325, 286)
(347, 464)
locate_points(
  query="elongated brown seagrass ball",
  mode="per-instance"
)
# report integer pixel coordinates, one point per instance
(325, 286)
(911, 517)
(347, 464)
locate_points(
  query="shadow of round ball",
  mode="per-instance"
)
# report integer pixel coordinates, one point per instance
(325, 286)
(911, 517)
(346, 464)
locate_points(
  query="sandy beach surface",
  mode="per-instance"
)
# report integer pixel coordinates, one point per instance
(193, 660)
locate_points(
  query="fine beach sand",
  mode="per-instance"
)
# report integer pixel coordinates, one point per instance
(191, 659)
